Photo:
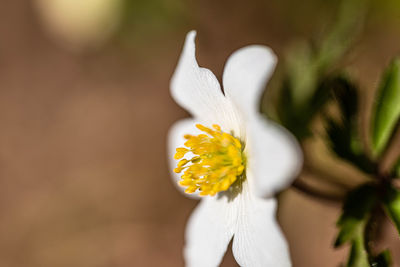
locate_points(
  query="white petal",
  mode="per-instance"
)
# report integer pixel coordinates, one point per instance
(175, 140)
(246, 74)
(198, 90)
(258, 240)
(274, 156)
(209, 231)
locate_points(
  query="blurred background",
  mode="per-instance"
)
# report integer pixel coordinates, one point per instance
(85, 109)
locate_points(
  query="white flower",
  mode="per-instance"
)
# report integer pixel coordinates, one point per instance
(237, 166)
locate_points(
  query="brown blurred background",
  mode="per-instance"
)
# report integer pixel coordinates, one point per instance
(83, 123)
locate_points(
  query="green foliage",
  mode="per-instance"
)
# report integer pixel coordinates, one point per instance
(310, 81)
(356, 213)
(358, 254)
(384, 259)
(392, 205)
(296, 119)
(346, 29)
(343, 134)
(307, 78)
(302, 71)
(307, 63)
(387, 109)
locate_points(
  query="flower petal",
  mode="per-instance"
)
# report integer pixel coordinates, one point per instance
(274, 156)
(175, 140)
(209, 231)
(198, 90)
(246, 73)
(258, 240)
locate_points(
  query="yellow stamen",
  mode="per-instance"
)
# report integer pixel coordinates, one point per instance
(217, 163)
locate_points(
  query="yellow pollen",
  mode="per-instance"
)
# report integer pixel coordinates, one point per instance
(217, 161)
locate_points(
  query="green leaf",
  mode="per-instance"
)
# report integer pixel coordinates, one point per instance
(392, 205)
(289, 117)
(308, 66)
(356, 211)
(346, 29)
(345, 93)
(358, 254)
(302, 73)
(343, 134)
(387, 108)
(298, 119)
(384, 259)
(346, 147)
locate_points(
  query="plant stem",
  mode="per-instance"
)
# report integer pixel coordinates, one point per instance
(301, 186)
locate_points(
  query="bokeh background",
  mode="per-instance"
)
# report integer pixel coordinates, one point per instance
(85, 109)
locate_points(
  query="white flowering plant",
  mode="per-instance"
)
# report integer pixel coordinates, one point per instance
(235, 159)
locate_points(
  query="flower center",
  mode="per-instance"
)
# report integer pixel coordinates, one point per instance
(217, 161)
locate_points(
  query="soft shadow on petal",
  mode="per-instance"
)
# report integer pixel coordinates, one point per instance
(246, 74)
(274, 157)
(198, 90)
(175, 139)
(209, 231)
(258, 240)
